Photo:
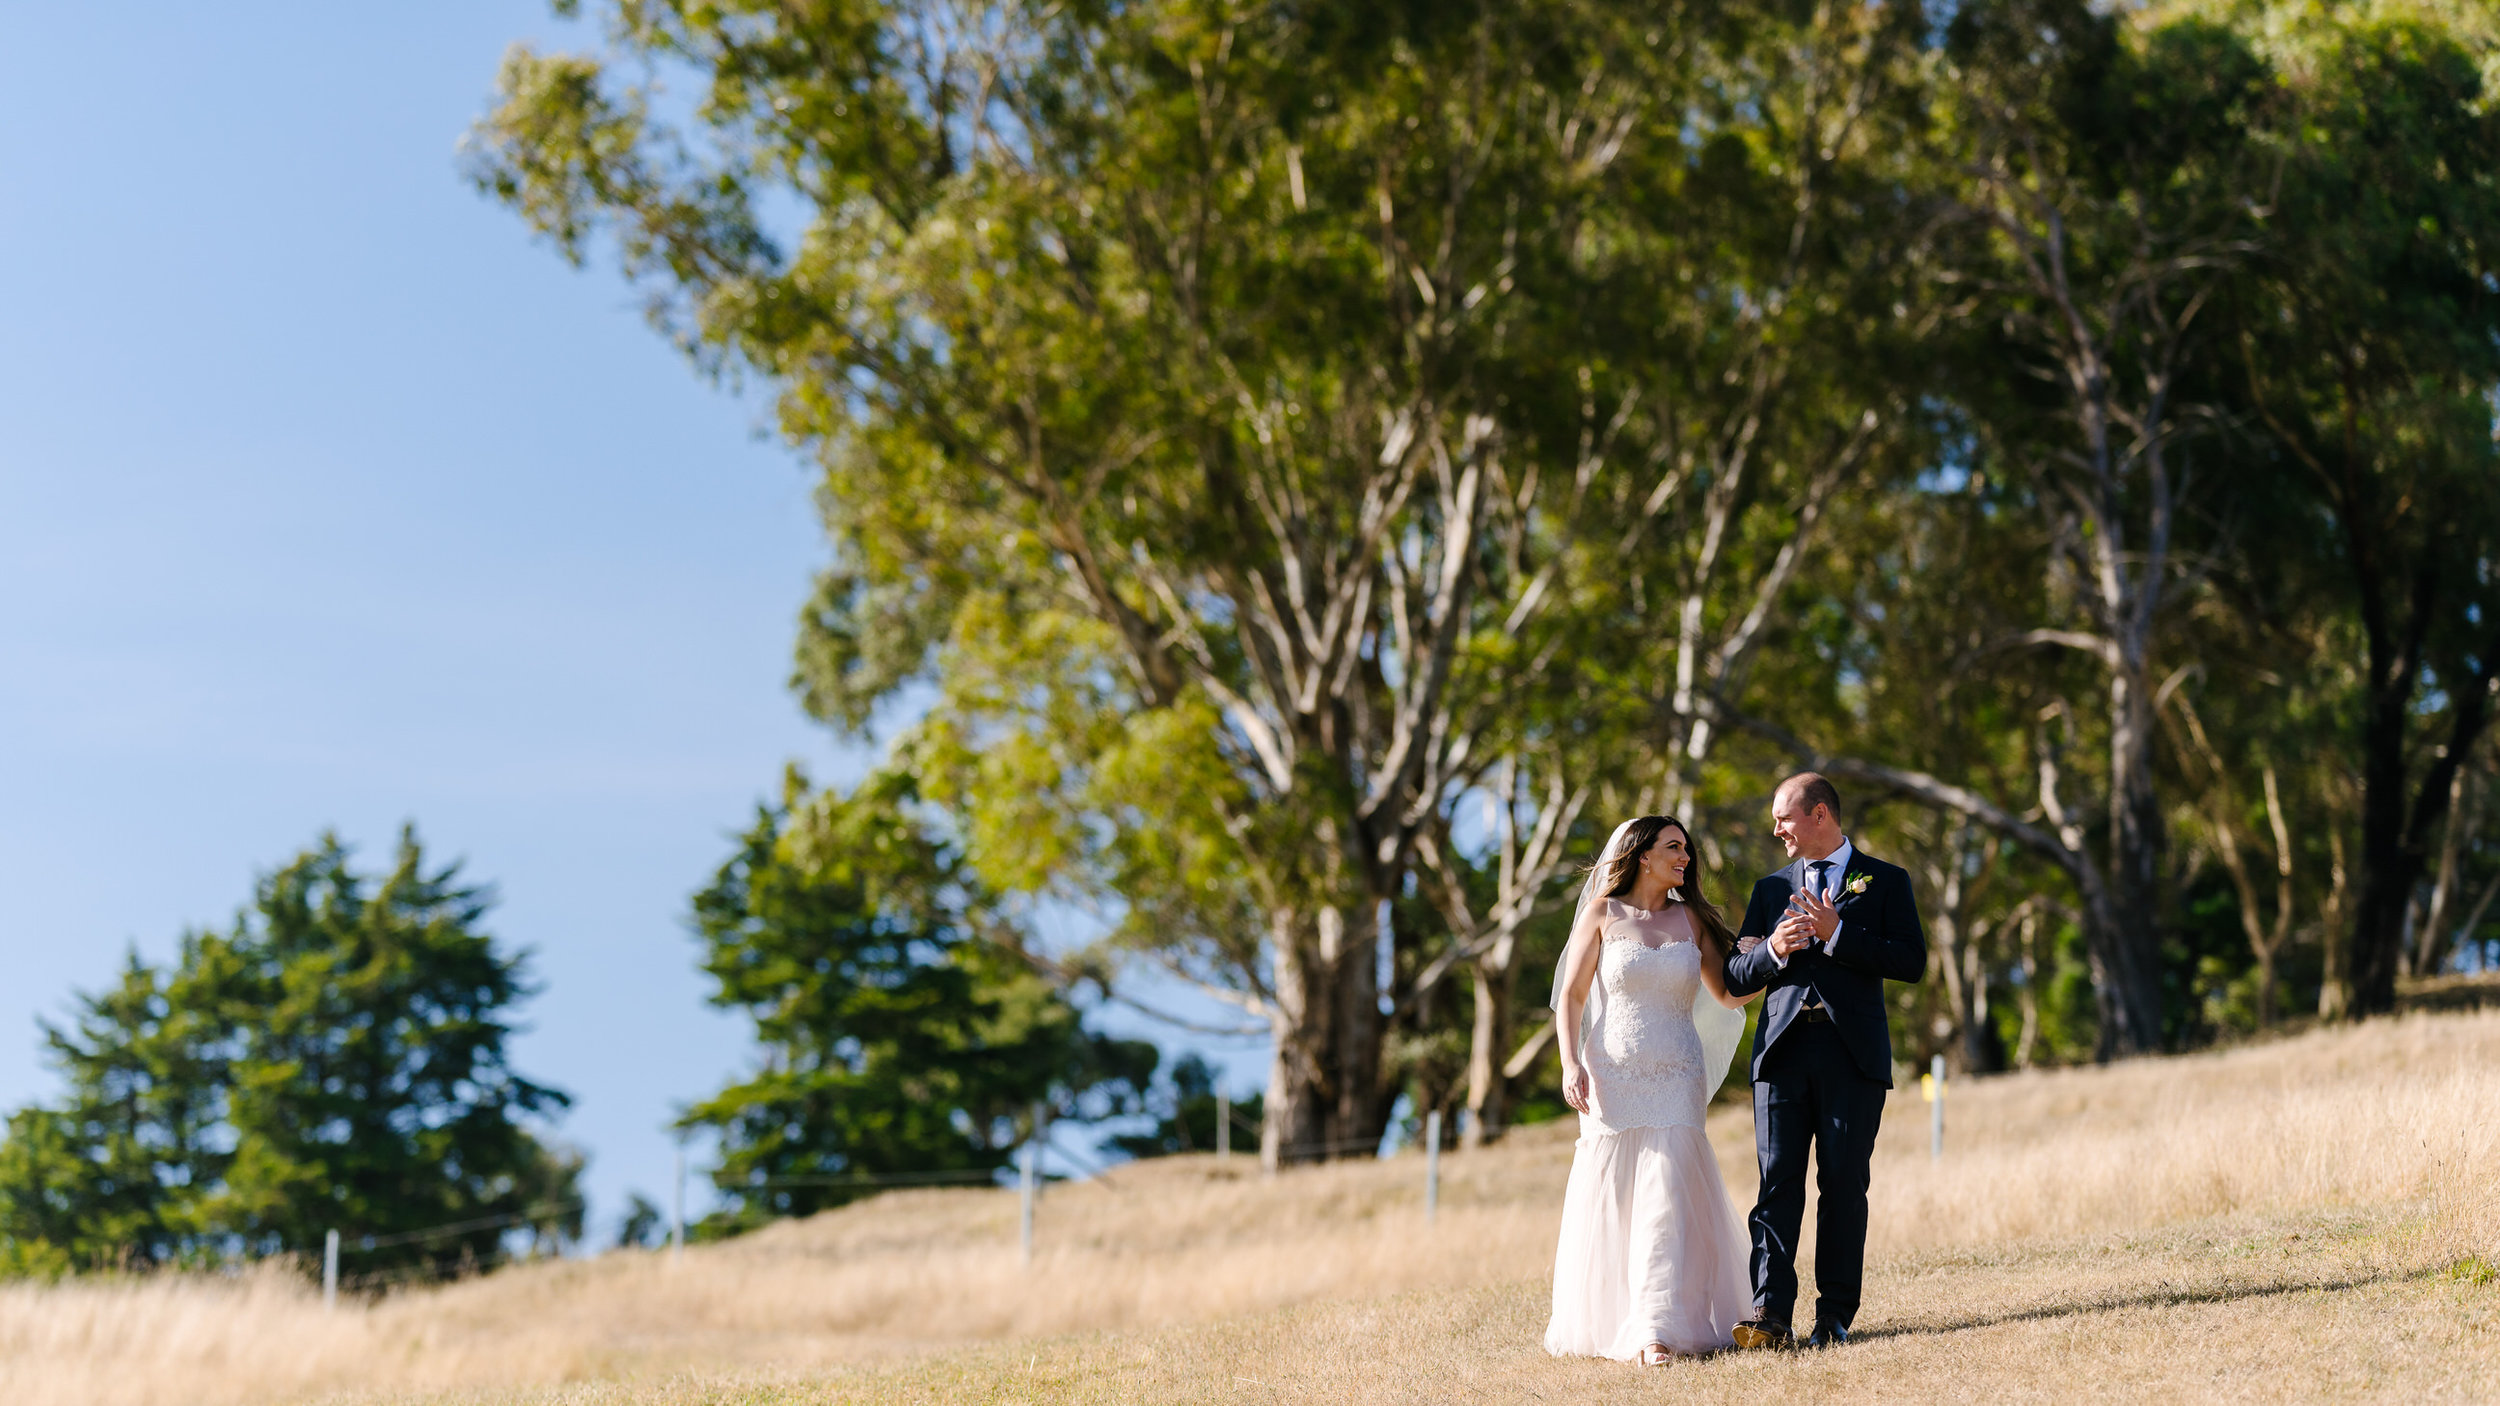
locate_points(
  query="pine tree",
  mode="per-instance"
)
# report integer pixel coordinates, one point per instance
(904, 1031)
(336, 1060)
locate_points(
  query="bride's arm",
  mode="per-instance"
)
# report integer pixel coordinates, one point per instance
(1579, 968)
(1714, 971)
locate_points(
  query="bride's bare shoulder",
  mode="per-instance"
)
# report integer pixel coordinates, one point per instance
(1613, 919)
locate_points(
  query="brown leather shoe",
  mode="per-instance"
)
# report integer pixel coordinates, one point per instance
(1762, 1332)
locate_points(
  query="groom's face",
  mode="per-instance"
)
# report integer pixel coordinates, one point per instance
(1803, 831)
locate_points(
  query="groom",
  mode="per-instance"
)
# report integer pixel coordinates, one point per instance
(1821, 935)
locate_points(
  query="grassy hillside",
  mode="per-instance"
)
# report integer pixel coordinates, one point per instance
(2317, 1216)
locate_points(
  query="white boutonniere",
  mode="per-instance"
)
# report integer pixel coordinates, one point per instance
(1857, 883)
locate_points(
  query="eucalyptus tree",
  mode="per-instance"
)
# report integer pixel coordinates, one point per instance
(1929, 578)
(2264, 783)
(2370, 351)
(1221, 406)
(1203, 399)
(2104, 176)
(2118, 175)
(1761, 265)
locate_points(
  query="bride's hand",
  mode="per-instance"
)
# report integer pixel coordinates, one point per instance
(1576, 1087)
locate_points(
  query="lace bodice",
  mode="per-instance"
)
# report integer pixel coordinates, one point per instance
(1644, 1059)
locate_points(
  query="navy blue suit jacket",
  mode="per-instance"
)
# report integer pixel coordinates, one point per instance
(1880, 938)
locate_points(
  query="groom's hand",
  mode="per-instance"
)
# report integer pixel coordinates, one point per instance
(1792, 936)
(1823, 917)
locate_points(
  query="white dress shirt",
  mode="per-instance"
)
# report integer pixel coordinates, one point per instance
(1832, 878)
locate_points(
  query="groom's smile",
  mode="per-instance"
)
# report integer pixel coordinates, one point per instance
(1805, 831)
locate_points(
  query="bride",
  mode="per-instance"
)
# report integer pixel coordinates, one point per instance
(1652, 1260)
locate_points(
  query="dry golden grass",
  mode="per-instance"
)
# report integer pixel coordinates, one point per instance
(2315, 1217)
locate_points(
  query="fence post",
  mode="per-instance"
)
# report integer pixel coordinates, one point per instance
(1432, 1165)
(1223, 1126)
(1935, 1110)
(330, 1270)
(1024, 1182)
(677, 1208)
(1041, 1139)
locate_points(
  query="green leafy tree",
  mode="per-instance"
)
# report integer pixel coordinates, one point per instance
(370, 1088)
(2099, 179)
(1272, 438)
(2370, 350)
(1232, 408)
(116, 1176)
(904, 1031)
(1760, 265)
(2102, 239)
(336, 1060)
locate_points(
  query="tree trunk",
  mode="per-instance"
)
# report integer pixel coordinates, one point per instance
(2395, 849)
(1323, 1083)
(1983, 1049)
(1497, 985)
(2428, 950)
(1352, 952)
(2388, 874)
(1958, 954)
(2130, 936)
(1295, 1116)
(2126, 994)
(2120, 944)
(2264, 943)
(2363, 980)
(2030, 992)
(2333, 929)
(2473, 917)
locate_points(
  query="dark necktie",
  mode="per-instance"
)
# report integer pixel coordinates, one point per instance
(1821, 889)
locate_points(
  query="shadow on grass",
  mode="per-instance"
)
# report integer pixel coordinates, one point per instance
(2164, 1296)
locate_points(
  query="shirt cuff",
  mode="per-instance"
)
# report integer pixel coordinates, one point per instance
(1779, 961)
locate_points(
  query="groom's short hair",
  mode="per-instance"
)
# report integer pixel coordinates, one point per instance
(1812, 789)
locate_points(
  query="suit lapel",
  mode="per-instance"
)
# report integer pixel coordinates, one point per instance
(1857, 862)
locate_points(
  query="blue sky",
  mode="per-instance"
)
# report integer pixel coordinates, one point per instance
(330, 499)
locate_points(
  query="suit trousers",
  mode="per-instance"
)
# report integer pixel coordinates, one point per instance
(1812, 1093)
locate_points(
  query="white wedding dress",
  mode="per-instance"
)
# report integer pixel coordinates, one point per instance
(1651, 1249)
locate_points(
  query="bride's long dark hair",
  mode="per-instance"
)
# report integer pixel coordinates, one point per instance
(1625, 867)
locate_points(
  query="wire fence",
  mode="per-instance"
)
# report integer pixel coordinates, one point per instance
(1027, 1178)
(531, 1215)
(433, 1269)
(468, 1266)
(967, 1177)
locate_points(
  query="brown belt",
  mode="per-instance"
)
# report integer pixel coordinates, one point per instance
(1815, 1015)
